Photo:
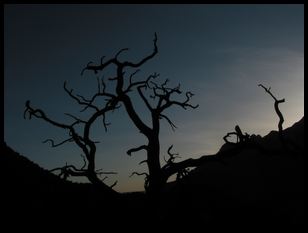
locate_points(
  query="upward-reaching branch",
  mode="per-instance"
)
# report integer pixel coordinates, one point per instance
(140, 63)
(143, 97)
(277, 102)
(116, 62)
(172, 156)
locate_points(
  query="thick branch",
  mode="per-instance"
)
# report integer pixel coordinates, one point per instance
(281, 119)
(120, 81)
(174, 168)
(143, 147)
(143, 97)
(144, 129)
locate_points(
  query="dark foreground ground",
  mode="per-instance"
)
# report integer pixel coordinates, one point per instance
(248, 191)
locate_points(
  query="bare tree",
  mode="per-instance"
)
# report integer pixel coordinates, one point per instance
(83, 140)
(277, 110)
(157, 98)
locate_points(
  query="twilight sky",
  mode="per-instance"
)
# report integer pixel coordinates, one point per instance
(219, 52)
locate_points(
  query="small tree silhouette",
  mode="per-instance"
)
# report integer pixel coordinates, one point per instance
(83, 141)
(277, 110)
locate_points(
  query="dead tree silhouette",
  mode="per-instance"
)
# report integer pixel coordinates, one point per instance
(157, 102)
(157, 98)
(83, 141)
(287, 145)
(277, 110)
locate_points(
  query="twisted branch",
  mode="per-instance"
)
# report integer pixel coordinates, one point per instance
(69, 170)
(277, 102)
(140, 83)
(140, 63)
(172, 156)
(115, 60)
(130, 151)
(139, 174)
(58, 144)
(240, 137)
(38, 113)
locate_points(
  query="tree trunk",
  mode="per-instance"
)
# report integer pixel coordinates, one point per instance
(92, 176)
(101, 186)
(155, 179)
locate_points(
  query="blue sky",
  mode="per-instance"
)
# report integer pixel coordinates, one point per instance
(219, 52)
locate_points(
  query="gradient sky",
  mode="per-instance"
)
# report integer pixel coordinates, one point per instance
(219, 52)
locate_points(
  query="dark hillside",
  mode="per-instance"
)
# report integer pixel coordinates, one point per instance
(30, 193)
(29, 190)
(249, 189)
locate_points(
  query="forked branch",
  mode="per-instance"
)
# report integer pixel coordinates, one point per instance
(172, 156)
(115, 60)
